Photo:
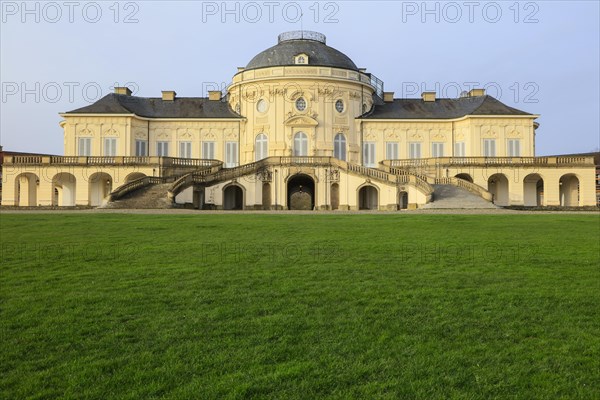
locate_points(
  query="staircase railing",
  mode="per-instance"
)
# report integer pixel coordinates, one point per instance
(471, 187)
(215, 175)
(134, 185)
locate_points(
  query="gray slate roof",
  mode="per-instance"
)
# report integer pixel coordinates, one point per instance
(319, 54)
(201, 107)
(441, 108)
(182, 107)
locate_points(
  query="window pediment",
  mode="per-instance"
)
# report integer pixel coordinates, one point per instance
(301, 120)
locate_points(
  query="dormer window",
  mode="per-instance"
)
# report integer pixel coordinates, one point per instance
(301, 59)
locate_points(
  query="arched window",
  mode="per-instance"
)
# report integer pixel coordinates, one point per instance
(300, 144)
(262, 147)
(339, 147)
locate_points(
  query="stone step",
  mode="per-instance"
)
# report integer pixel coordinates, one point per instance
(453, 197)
(148, 197)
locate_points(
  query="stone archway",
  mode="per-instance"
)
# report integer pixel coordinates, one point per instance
(301, 192)
(100, 186)
(26, 189)
(569, 190)
(368, 198)
(533, 190)
(464, 177)
(134, 176)
(402, 200)
(63, 190)
(498, 187)
(233, 198)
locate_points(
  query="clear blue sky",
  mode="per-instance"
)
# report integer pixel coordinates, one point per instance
(541, 57)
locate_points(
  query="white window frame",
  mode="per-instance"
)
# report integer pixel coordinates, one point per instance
(261, 147)
(185, 149)
(489, 147)
(231, 154)
(414, 150)
(459, 149)
(300, 144)
(208, 150)
(369, 154)
(110, 147)
(437, 149)
(513, 147)
(141, 148)
(162, 149)
(84, 148)
(391, 150)
(339, 146)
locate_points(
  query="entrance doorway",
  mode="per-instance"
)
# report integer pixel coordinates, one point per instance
(301, 192)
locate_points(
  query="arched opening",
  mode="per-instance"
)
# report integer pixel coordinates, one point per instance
(464, 177)
(261, 147)
(339, 147)
(63, 190)
(402, 200)
(233, 198)
(300, 144)
(266, 196)
(498, 187)
(100, 186)
(301, 192)
(533, 190)
(26, 188)
(569, 190)
(368, 198)
(134, 176)
(335, 196)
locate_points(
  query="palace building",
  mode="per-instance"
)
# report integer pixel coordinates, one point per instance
(300, 127)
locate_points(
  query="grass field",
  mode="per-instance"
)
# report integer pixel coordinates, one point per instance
(396, 306)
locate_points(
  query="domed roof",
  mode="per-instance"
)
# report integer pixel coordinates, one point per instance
(291, 44)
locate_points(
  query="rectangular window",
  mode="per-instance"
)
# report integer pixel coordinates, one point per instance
(208, 150)
(391, 151)
(185, 149)
(141, 148)
(437, 149)
(85, 146)
(110, 147)
(459, 149)
(231, 154)
(369, 154)
(514, 148)
(414, 150)
(162, 149)
(489, 147)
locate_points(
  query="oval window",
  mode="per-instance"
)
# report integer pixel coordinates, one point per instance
(262, 106)
(301, 104)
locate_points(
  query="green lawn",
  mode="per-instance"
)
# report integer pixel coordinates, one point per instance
(371, 306)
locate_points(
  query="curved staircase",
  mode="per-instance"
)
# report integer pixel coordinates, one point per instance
(453, 197)
(151, 196)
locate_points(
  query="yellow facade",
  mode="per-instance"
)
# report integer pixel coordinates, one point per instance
(308, 130)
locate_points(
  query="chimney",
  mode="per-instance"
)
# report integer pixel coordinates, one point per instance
(122, 90)
(388, 97)
(476, 92)
(240, 69)
(214, 95)
(168, 95)
(428, 96)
